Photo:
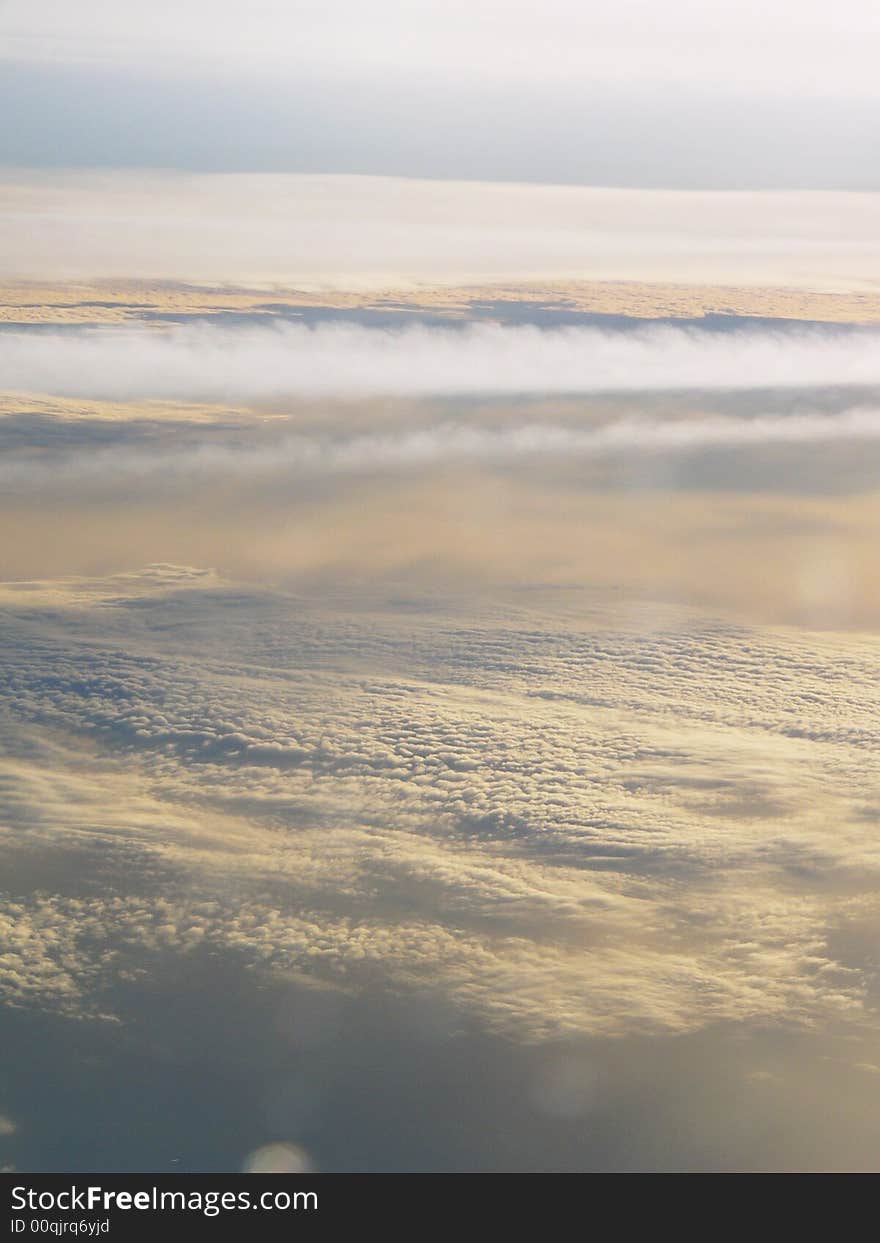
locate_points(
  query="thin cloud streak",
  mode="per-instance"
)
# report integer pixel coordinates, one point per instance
(449, 444)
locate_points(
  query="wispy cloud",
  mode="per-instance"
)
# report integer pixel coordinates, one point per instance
(450, 443)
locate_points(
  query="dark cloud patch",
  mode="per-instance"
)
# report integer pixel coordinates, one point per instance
(377, 1084)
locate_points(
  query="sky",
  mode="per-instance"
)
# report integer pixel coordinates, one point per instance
(378, 144)
(675, 95)
(439, 630)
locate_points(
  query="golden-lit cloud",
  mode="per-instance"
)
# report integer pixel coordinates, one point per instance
(598, 829)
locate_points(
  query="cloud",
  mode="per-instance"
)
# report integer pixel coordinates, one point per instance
(205, 363)
(451, 444)
(763, 504)
(587, 830)
(313, 230)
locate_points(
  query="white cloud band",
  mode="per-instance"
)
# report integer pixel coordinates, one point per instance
(204, 361)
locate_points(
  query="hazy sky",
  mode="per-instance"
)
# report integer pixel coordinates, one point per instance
(639, 93)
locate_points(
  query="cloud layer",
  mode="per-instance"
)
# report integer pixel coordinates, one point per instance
(567, 831)
(298, 458)
(305, 229)
(204, 363)
(451, 786)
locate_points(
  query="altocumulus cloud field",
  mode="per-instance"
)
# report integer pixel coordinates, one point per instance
(508, 839)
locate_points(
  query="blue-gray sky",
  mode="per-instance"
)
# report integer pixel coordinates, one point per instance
(639, 94)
